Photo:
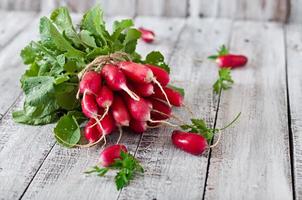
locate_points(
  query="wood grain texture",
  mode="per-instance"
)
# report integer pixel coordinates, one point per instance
(62, 170)
(118, 7)
(263, 10)
(252, 160)
(171, 173)
(169, 8)
(295, 11)
(10, 60)
(294, 58)
(24, 5)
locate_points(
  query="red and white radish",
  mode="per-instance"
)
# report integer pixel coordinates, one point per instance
(140, 110)
(91, 133)
(143, 89)
(89, 105)
(138, 126)
(231, 60)
(111, 153)
(175, 98)
(90, 82)
(147, 35)
(160, 110)
(106, 125)
(120, 112)
(192, 143)
(116, 80)
(160, 74)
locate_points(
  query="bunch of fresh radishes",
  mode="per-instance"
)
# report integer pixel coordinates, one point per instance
(126, 94)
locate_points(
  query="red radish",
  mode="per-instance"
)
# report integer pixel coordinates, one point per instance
(175, 98)
(231, 60)
(140, 73)
(147, 35)
(91, 82)
(116, 80)
(107, 124)
(136, 72)
(138, 126)
(111, 153)
(160, 74)
(192, 143)
(139, 110)
(104, 97)
(89, 105)
(120, 112)
(160, 110)
(92, 134)
(143, 90)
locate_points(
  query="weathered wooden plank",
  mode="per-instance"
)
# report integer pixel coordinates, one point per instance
(62, 169)
(162, 8)
(28, 5)
(252, 160)
(294, 52)
(117, 7)
(295, 11)
(11, 25)
(263, 10)
(171, 173)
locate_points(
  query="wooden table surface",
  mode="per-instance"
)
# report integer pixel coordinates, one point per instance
(258, 158)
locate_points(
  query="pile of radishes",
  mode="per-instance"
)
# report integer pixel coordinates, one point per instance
(126, 94)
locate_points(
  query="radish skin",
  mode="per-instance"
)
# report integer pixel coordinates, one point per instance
(160, 74)
(120, 112)
(175, 98)
(139, 110)
(105, 97)
(138, 126)
(143, 90)
(106, 125)
(147, 35)
(159, 107)
(192, 143)
(116, 80)
(89, 105)
(136, 72)
(91, 82)
(91, 133)
(111, 153)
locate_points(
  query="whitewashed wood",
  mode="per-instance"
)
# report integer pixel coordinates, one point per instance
(294, 53)
(61, 172)
(295, 11)
(118, 7)
(12, 23)
(172, 173)
(163, 8)
(252, 160)
(25, 5)
(264, 10)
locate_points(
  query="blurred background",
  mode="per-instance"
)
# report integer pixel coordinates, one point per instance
(261, 10)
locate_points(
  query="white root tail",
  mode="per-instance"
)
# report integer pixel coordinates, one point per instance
(131, 94)
(162, 90)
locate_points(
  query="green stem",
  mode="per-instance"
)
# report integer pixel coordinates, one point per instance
(232, 122)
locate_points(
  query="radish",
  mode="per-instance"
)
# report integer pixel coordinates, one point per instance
(231, 60)
(138, 126)
(140, 73)
(89, 105)
(143, 90)
(92, 134)
(175, 98)
(192, 143)
(116, 80)
(140, 110)
(105, 97)
(111, 153)
(106, 125)
(147, 35)
(160, 74)
(120, 112)
(160, 110)
(91, 82)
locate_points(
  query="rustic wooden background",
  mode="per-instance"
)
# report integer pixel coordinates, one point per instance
(265, 10)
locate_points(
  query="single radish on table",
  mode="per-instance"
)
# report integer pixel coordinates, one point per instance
(116, 80)
(147, 35)
(111, 153)
(190, 142)
(90, 82)
(226, 60)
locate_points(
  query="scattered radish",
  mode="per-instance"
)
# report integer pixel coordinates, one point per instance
(92, 134)
(111, 153)
(120, 112)
(91, 82)
(89, 105)
(231, 60)
(160, 74)
(138, 126)
(175, 98)
(116, 80)
(147, 35)
(192, 143)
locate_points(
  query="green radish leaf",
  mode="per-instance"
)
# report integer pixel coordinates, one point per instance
(223, 51)
(178, 89)
(67, 131)
(131, 40)
(157, 59)
(87, 38)
(213, 57)
(119, 27)
(224, 80)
